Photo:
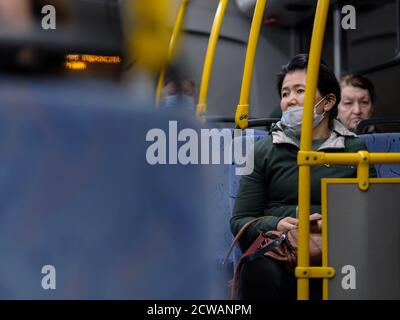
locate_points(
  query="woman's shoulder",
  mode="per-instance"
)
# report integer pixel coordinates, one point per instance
(354, 144)
(262, 150)
(264, 144)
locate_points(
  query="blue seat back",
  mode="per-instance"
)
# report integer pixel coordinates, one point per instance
(222, 190)
(247, 140)
(77, 192)
(384, 142)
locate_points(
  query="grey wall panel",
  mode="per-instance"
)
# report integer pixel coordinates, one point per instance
(364, 232)
(274, 50)
(226, 75)
(386, 84)
(374, 40)
(200, 17)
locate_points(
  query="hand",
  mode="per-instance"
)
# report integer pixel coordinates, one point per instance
(315, 222)
(315, 217)
(287, 223)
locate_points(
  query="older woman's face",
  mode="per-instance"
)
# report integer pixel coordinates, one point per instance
(355, 105)
(293, 90)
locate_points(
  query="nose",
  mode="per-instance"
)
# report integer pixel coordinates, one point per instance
(292, 101)
(356, 108)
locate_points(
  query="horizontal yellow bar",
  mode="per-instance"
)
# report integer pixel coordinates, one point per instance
(321, 158)
(342, 158)
(315, 272)
(384, 157)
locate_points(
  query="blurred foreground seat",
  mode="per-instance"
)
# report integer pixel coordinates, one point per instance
(77, 193)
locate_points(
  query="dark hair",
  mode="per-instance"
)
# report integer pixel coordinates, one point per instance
(359, 81)
(173, 76)
(177, 77)
(327, 82)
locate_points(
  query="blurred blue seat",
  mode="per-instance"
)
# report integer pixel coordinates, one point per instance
(226, 189)
(77, 193)
(221, 191)
(384, 142)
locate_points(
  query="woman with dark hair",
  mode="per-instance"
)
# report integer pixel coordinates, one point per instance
(271, 190)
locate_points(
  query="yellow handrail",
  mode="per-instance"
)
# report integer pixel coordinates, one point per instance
(172, 46)
(314, 158)
(362, 159)
(306, 143)
(209, 59)
(242, 110)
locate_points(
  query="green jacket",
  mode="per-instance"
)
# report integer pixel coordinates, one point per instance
(271, 189)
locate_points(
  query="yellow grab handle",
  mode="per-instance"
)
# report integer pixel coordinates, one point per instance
(242, 111)
(209, 59)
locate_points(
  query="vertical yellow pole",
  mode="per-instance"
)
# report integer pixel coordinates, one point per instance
(306, 143)
(209, 59)
(242, 110)
(172, 46)
(160, 84)
(325, 292)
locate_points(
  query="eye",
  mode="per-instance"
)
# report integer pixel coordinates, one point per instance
(300, 91)
(285, 94)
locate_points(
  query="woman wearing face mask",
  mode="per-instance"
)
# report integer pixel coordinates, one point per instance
(271, 190)
(179, 93)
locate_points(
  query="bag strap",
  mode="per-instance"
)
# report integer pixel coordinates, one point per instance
(271, 246)
(239, 235)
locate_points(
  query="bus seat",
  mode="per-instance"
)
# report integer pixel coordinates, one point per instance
(77, 193)
(234, 179)
(384, 142)
(221, 193)
(247, 141)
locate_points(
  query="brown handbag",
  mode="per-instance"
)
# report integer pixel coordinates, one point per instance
(278, 245)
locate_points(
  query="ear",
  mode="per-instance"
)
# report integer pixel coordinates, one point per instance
(330, 101)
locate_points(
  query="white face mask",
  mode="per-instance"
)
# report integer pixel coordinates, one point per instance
(292, 118)
(176, 100)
